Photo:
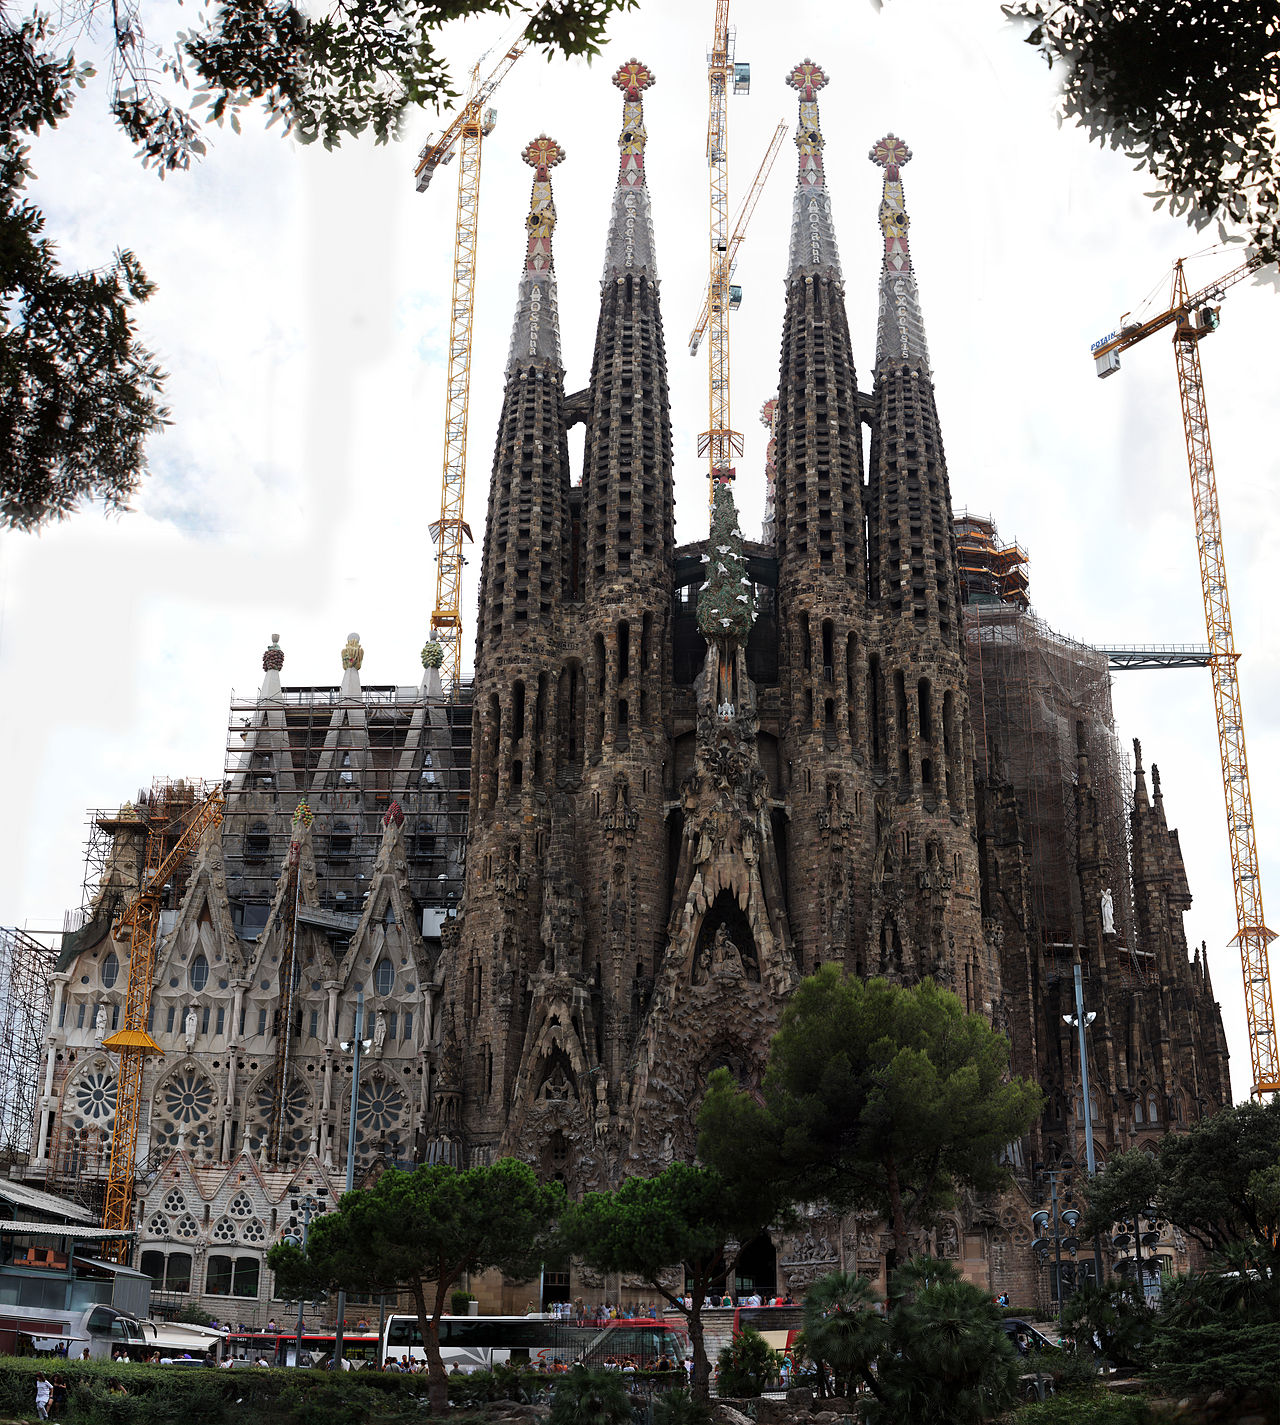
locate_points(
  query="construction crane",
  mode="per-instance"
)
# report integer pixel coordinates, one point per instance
(740, 224)
(473, 122)
(720, 443)
(140, 922)
(1192, 317)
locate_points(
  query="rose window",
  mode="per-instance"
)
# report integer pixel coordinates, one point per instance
(96, 1096)
(175, 1202)
(381, 1104)
(224, 1230)
(188, 1097)
(254, 1231)
(158, 1226)
(187, 1227)
(241, 1206)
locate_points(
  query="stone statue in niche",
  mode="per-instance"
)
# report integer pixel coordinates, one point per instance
(100, 1024)
(380, 1032)
(948, 1240)
(1108, 913)
(726, 958)
(189, 1029)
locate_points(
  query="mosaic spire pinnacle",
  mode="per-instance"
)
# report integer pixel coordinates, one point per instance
(630, 248)
(535, 338)
(813, 237)
(900, 329)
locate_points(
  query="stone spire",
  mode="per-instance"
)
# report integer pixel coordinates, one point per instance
(900, 330)
(813, 236)
(627, 502)
(272, 663)
(535, 339)
(630, 248)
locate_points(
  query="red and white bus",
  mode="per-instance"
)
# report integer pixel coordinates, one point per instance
(279, 1348)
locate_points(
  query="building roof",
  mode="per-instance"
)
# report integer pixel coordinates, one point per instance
(23, 1195)
(20, 1228)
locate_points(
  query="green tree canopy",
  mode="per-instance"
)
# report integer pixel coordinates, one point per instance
(421, 1231)
(684, 1217)
(875, 1095)
(1217, 1182)
(1188, 89)
(78, 391)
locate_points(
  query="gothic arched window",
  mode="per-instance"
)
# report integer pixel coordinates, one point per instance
(110, 970)
(199, 973)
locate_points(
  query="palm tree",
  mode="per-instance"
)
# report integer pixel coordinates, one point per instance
(843, 1330)
(948, 1360)
(586, 1397)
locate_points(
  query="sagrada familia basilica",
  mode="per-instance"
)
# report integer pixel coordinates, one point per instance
(684, 777)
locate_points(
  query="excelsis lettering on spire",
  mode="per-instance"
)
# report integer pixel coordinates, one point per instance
(630, 246)
(536, 336)
(900, 334)
(813, 239)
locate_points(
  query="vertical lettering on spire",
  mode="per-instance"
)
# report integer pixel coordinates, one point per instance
(813, 243)
(536, 335)
(901, 328)
(631, 230)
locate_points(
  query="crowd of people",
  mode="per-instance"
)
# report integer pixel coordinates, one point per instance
(584, 1313)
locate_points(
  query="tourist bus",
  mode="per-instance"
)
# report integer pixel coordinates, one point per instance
(474, 1343)
(279, 1348)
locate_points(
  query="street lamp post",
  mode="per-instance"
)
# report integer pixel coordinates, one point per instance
(1080, 1021)
(1049, 1227)
(1142, 1230)
(306, 1206)
(355, 1046)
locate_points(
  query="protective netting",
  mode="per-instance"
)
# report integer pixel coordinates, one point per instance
(1036, 698)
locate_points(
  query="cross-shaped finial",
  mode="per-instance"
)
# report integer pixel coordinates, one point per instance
(633, 78)
(807, 78)
(890, 152)
(542, 154)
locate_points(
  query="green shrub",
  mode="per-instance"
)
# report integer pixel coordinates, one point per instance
(1085, 1407)
(169, 1395)
(747, 1365)
(585, 1397)
(680, 1407)
(460, 1303)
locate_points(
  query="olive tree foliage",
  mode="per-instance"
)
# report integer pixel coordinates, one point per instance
(79, 393)
(420, 1231)
(322, 72)
(1188, 89)
(875, 1095)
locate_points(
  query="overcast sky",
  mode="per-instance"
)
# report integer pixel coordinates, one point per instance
(300, 311)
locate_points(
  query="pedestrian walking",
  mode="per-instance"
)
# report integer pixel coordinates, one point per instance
(44, 1393)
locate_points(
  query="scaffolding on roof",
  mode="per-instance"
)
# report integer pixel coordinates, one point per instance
(349, 759)
(991, 572)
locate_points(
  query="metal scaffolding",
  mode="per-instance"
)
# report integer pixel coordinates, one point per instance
(25, 967)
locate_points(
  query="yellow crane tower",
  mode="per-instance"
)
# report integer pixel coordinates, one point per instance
(740, 224)
(473, 122)
(1192, 317)
(140, 924)
(720, 443)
